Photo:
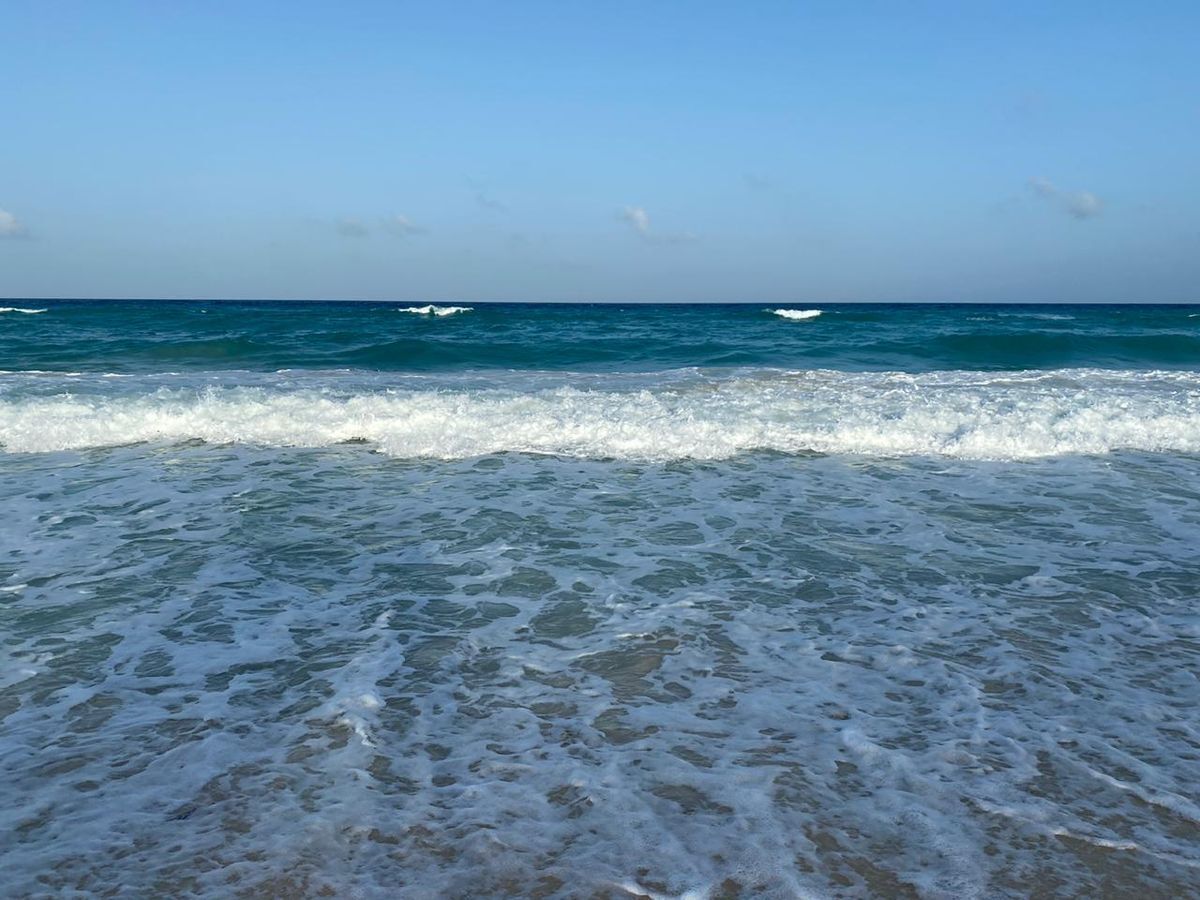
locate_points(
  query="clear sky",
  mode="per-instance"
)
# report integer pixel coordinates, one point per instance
(601, 150)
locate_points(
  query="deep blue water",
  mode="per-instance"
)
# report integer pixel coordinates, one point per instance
(324, 599)
(135, 336)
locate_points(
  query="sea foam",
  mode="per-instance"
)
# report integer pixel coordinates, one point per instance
(798, 314)
(966, 415)
(430, 310)
(19, 309)
(444, 680)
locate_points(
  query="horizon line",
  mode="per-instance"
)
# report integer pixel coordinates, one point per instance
(493, 302)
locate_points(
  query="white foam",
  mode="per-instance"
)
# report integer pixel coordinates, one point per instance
(431, 310)
(19, 309)
(302, 675)
(1029, 314)
(955, 414)
(797, 314)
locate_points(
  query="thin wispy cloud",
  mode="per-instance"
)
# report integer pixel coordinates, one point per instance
(396, 225)
(11, 226)
(1077, 204)
(401, 226)
(639, 220)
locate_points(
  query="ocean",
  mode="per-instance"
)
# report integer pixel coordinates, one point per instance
(606, 601)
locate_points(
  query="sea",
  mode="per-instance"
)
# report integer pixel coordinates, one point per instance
(370, 599)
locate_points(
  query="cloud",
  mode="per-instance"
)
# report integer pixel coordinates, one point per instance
(401, 226)
(639, 220)
(10, 226)
(1042, 187)
(1084, 205)
(398, 225)
(352, 228)
(1078, 204)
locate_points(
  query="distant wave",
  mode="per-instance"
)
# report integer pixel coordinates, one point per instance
(431, 310)
(798, 314)
(1026, 314)
(19, 309)
(971, 415)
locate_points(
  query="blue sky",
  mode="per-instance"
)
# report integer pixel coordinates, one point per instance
(601, 151)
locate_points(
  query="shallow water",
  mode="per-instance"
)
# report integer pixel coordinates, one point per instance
(600, 634)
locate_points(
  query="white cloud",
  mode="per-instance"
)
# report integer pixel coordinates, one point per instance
(398, 225)
(1078, 204)
(401, 226)
(10, 225)
(639, 220)
(1042, 187)
(1084, 205)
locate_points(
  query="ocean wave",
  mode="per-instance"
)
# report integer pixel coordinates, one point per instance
(431, 310)
(968, 415)
(798, 314)
(20, 309)
(1027, 314)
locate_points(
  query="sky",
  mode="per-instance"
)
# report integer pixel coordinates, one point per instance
(601, 151)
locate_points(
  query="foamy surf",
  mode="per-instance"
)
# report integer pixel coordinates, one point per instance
(20, 309)
(431, 310)
(798, 314)
(964, 415)
(282, 671)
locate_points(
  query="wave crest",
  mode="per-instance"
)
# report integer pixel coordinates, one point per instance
(430, 310)
(20, 309)
(798, 314)
(956, 414)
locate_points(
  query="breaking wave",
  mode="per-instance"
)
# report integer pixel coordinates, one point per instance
(797, 314)
(431, 310)
(19, 309)
(969, 415)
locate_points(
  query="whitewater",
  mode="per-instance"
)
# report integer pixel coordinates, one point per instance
(677, 415)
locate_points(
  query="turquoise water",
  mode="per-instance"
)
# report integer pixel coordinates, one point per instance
(566, 601)
(221, 335)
